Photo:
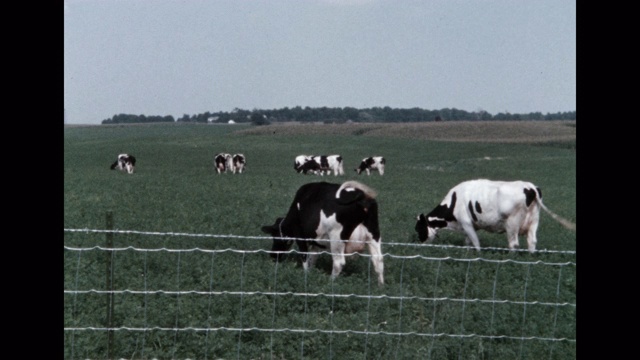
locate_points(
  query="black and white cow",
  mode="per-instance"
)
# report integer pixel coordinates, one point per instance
(324, 216)
(494, 206)
(324, 164)
(329, 163)
(125, 162)
(223, 162)
(300, 160)
(239, 162)
(371, 163)
(311, 166)
(319, 165)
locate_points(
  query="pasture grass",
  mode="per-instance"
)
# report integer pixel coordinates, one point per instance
(176, 190)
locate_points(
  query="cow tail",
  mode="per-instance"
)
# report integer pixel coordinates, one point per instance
(364, 194)
(348, 197)
(566, 223)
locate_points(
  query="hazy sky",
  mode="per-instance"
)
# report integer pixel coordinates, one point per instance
(176, 57)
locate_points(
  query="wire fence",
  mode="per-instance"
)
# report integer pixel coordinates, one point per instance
(232, 301)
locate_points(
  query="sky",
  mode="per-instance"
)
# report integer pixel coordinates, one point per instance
(176, 57)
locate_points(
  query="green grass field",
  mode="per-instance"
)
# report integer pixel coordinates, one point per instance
(190, 299)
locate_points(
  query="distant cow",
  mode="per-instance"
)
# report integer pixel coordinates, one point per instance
(319, 165)
(125, 162)
(301, 160)
(494, 206)
(239, 162)
(329, 163)
(341, 218)
(310, 166)
(371, 163)
(223, 162)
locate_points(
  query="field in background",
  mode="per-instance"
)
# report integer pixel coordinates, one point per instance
(466, 131)
(175, 189)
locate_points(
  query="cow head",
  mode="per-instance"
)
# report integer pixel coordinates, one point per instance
(428, 230)
(129, 167)
(278, 244)
(439, 218)
(422, 228)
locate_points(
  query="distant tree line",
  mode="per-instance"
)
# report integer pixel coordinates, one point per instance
(129, 119)
(340, 115)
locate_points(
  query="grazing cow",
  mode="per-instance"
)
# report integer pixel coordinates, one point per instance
(329, 163)
(342, 218)
(223, 162)
(239, 162)
(125, 162)
(299, 161)
(371, 163)
(319, 165)
(494, 206)
(310, 166)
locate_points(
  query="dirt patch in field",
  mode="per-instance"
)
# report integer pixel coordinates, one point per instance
(468, 131)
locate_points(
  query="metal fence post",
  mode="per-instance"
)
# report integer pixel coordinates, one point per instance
(109, 285)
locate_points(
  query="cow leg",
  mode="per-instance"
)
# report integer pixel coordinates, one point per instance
(530, 225)
(376, 258)
(368, 171)
(471, 235)
(532, 240)
(303, 247)
(512, 236)
(311, 259)
(513, 229)
(337, 253)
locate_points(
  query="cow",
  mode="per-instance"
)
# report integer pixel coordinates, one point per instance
(329, 163)
(494, 206)
(310, 166)
(371, 163)
(239, 162)
(319, 164)
(125, 162)
(339, 217)
(223, 162)
(299, 161)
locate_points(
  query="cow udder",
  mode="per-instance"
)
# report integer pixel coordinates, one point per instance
(358, 239)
